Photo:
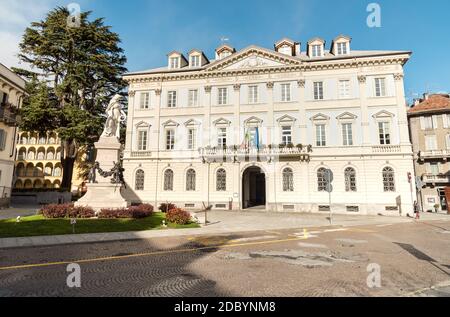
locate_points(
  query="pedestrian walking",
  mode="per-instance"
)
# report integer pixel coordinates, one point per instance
(417, 210)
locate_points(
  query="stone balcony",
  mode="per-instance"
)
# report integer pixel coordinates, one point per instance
(435, 154)
(9, 114)
(436, 179)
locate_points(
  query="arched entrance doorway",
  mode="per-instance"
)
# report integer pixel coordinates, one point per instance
(253, 188)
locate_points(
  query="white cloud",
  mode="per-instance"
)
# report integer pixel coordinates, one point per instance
(15, 16)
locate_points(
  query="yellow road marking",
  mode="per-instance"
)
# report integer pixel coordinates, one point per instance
(146, 254)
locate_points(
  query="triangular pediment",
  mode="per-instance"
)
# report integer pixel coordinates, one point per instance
(320, 117)
(170, 123)
(383, 114)
(346, 116)
(253, 57)
(191, 123)
(222, 122)
(252, 121)
(286, 119)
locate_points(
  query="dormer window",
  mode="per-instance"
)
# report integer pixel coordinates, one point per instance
(224, 51)
(224, 54)
(174, 62)
(287, 47)
(341, 48)
(195, 61)
(316, 50)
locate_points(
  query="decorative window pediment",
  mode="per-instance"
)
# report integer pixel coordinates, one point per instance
(142, 124)
(222, 122)
(192, 123)
(320, 117)
(346, 116)
(286, 119)
(383, 115)
(253, 122)
(170, 123)
(254, 57)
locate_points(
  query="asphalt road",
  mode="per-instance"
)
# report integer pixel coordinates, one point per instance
(410, 259)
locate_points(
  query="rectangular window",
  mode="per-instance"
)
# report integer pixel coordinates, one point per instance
(380, 87)
(142, 140)
(193, 98)
(347, 134)
(430, 142)
(252, 94)
(286, 135)
(446, 121)
(222, 96)
(192, 138)
(318, 90)
(145, 100)
(317, 50)
(428, 123)
(320, 135)
(447, 141)
(344, 89)
(172, 99)
(170, 139)
(342, 48)
(434, 168)
(285, 92)
(174, 62)
(384, 133)
(222, 137)
(195, 61)
(3, 134)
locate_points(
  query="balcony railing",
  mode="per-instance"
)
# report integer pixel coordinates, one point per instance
(442, 154)
(386, 149)
(436, 178)
(301, 153)
(141, 154)
(8, 114)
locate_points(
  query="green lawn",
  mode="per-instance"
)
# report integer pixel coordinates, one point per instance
(40, 226)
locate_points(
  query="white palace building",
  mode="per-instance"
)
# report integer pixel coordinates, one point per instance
(256, 128)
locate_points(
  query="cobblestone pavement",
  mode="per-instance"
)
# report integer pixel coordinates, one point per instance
(414, 259)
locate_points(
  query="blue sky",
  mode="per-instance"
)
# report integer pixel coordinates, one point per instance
(151, 28)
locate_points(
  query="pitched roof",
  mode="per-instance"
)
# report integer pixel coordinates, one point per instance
(434, 103)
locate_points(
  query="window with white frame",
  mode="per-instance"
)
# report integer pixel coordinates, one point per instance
(168, 180)
(321, 181)
(320, 135)
(145, 100)
(142, 140)
(431, 143)
(447, 141)
(318, 90)
(174, 62)
(222, 137)
(285, 92)
(171, 99)
(446, 121)
(252, 94)
(286, 50)
(195, 61)
(344, 89)
(350, 179)
(193, 98)
(139, 180)
(347, 134)
(170, 139)
(428, 122)
(221, 180)
(380, 87)
(286, 135)
(222, 96)
(388, 179)
(288, 180)
(342, 48)
(190, 180)
(316, 50)
(192, 138)
(384, 131)
(433, 168)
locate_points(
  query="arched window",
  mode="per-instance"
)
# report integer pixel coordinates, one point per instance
(190, 180)
(350, 179)
(139, 180)
(57, 171)
(288, 180)
(221, 180)
(168, 180)
(321, 182)
(388, 179)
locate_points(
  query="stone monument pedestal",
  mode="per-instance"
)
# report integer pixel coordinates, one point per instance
(103, 193)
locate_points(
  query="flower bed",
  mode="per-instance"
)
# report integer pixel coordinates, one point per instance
(178, 216)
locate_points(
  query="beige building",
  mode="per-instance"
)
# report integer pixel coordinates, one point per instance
(257, 128)
(12, 92)
(38, 163)
(429, 122)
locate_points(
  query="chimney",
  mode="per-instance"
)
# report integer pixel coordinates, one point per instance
(426, 95)
(416, 101)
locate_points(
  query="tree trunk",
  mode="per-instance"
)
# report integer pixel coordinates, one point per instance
(68, 165)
